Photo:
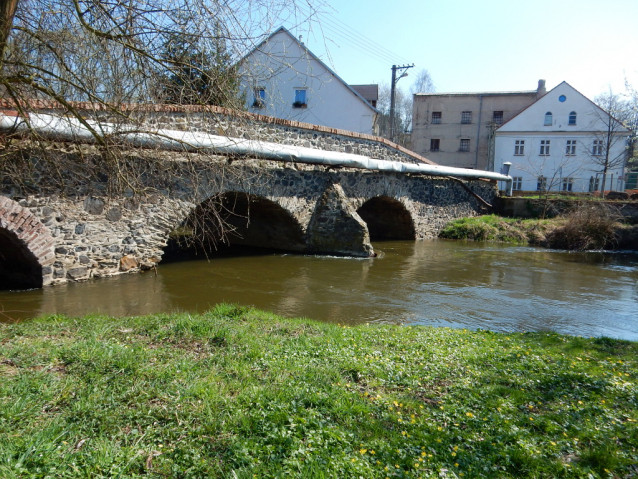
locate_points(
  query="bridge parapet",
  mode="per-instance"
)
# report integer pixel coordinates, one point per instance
(236, 124)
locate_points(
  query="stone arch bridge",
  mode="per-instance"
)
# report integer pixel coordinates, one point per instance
(53, 233)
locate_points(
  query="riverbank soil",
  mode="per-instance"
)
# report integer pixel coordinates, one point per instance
(241, 393)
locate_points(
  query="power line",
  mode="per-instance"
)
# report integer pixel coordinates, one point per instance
(352, 38)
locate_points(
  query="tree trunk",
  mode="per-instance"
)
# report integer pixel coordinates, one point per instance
(7, 11)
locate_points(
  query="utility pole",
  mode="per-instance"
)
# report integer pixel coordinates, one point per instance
(392, 91)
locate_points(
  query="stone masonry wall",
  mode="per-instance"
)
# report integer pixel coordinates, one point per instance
(97, 236)
(226, 122)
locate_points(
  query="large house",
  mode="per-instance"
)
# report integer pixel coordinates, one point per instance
(457, 129)
(562, 142)
(283, 79)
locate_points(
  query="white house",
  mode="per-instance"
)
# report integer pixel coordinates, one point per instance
(283, 79)
(561, 143)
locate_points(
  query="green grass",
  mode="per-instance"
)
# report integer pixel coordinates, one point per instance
(498, 228)
(240, 393)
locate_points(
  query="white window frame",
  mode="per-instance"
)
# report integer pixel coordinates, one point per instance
(544, 151)
(259, 97)
(297, 103)
(597, 148)
(570, 148)
(573, 116)
(568, 183)
(549, 119)
(541, 183)
(517, 183)
(519, 147)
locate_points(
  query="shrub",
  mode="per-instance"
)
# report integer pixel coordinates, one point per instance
(589, 226)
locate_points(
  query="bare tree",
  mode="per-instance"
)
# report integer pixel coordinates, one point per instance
(403, 106)
(553, 172)
(422, 83)
(115, 55)
(609, 150)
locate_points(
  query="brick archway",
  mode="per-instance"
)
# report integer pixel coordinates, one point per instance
(26, 247)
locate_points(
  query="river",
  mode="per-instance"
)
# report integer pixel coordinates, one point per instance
(439, 283)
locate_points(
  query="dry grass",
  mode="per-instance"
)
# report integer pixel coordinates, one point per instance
(589, 226)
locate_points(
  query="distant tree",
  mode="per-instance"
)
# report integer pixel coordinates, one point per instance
(403, 107)
(615, 116)
(199, 72)
(422, 83)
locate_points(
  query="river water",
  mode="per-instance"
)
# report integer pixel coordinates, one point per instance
(440, 283)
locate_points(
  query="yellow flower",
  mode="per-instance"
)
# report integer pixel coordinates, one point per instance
(469, 414)
(456, 464)
(453, 454)
(363, 451)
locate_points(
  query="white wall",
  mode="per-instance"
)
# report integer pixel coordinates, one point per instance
(280, 66)
(529, 127)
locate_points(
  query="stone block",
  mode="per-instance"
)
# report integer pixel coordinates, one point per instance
(78, 273)
(127, 263)
(93, 206)
(114, 214)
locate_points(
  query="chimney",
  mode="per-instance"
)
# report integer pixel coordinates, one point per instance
(540, 91)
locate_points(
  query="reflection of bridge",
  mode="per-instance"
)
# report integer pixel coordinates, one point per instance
(51, 233)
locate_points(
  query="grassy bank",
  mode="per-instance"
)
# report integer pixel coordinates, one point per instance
(498, 228)
(581, 229)
(241, 393)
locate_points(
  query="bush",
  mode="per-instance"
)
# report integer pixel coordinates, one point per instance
(589, 226)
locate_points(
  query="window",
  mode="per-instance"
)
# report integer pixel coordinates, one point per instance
(519, 147)
(597, 149)
(572, 118)
(568, 183)
(541, 183)
(435, 144)
(436, 117)
(497, 117)
(544, 148)
(259, 97)
(300, 98)
(465, 145)
(548, 119)
(517, 183)
(570, 149)
(594, 184)
(466, 117)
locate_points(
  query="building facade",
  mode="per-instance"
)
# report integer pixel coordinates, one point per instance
(561, 143)
(283, 79)
(457, 129)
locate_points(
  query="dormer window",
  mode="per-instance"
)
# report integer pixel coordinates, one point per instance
(548, 119)
(572, 118)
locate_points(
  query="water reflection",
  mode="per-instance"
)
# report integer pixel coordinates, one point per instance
(441, 283)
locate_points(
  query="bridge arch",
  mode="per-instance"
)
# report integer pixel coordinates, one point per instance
(387, 219)
(238, 218)
(26, 248)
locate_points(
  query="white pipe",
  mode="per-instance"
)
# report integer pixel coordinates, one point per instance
(71, 129)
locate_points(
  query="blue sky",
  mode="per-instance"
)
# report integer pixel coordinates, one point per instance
(480, 45)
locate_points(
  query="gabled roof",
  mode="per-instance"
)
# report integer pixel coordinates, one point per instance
(369, 92)
(547, 96)
(315, 57)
